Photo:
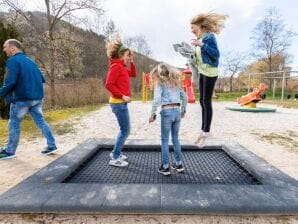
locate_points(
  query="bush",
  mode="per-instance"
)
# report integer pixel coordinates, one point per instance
(88, 91)
(6, 32)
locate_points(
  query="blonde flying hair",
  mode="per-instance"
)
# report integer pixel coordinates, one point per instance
(209, 22)
(115, 49)
(166, 75)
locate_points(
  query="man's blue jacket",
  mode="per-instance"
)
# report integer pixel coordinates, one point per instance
(23, 80)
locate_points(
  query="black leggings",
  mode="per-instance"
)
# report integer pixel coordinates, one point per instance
(206, 88)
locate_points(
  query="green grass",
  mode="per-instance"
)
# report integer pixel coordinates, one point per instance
(58, 120)
(287, 103)
(228, 96)
(232, 96)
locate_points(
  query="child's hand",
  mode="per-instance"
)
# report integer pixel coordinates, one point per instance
(152, 118)
(197, 43)
(131, 58)
(127, 99)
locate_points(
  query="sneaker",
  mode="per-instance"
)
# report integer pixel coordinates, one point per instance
(179, 168)
(203, 139)
(199, 138)
(6, 155)
(118, 162)
(122, 157)
(164, 171)
(49, 150)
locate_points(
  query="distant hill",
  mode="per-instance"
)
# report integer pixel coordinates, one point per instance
(90, 59)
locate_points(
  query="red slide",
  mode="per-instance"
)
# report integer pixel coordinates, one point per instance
(188, 85)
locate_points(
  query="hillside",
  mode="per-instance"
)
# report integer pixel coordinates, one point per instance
(81, 53)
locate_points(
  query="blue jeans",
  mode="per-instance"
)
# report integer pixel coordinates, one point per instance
(170, 122)
(17, 112)
(121, 112)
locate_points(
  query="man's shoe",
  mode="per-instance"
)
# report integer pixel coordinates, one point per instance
(122, 157)
(49, 150)
(179, 168)
(118, 162)
(6, 155)
(164, 171)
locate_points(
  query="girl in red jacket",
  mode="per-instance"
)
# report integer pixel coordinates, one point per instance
(118, 84)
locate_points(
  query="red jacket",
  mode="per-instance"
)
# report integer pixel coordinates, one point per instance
(117, 81)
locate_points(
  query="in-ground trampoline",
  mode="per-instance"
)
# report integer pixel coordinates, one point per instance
(218, 179)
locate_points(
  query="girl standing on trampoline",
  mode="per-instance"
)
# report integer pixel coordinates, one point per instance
(118, 84)
(203, 26)
(169, 95)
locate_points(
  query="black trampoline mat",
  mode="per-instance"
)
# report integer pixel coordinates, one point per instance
(210, 166)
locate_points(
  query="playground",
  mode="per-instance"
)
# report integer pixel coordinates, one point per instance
(275, 142)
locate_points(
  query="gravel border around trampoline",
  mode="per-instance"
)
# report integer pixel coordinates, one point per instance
(43, 192)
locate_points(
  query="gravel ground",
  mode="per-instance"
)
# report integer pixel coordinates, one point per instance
(272, 136)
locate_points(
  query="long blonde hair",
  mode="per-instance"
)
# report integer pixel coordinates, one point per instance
(210, 22)
(115, 49)
(166, 75)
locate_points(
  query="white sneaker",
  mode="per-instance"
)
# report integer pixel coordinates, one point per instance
(199, 138)
(122, 157)
(118, 162)
(204, 137)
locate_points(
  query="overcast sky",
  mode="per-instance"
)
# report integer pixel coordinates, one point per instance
(165, 22)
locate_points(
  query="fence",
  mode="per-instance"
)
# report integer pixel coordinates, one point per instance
(275, 76)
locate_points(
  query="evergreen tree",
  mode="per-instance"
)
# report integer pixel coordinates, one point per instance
(6, 32)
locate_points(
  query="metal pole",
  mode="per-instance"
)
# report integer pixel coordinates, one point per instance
(274, 87)
(248, 87)
(283, 86)
(143, 87)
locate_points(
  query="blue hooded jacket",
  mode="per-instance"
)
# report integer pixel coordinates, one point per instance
(23, 81)
(209, 50)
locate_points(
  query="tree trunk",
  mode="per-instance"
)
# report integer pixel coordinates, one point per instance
(231, 83)
(270, 74)
(52, 92)
(52, 77)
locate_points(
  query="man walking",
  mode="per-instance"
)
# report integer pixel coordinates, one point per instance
(23, 87)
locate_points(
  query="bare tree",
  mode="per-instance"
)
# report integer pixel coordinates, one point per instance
(109, 30)
(139, 44)
(233, 63)
(271, 37)
(56, 11)
(70, 50)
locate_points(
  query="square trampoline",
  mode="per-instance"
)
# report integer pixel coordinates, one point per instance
(218, 179)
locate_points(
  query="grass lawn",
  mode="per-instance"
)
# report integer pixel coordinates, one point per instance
(287, 103)
(232, 96)
(58, 120)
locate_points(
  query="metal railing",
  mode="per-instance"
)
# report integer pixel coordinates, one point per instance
(285, 74)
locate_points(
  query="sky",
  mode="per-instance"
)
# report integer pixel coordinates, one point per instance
(166, 22)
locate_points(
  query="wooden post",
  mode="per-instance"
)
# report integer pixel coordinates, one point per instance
(143, 87)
